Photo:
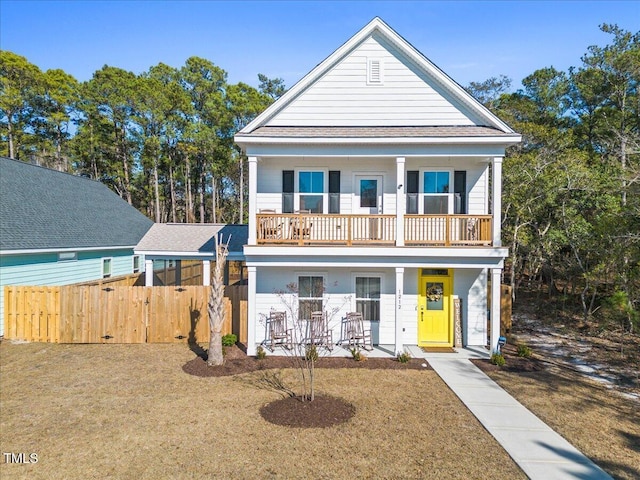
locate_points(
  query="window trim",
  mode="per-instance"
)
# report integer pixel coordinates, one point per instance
(354, 303)
(311, 275)
(133, 259)
(106, 260)
(422, 194)
(325, 187)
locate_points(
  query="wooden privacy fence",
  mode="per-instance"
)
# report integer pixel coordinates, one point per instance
(113, 314)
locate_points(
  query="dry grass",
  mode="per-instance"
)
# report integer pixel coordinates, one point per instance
(601, 423)
(129, 411)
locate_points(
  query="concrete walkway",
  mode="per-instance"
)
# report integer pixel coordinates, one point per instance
(539, 451)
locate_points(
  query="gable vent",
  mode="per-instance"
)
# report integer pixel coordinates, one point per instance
(374, 71)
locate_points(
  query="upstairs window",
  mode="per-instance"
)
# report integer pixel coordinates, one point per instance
(311, 191)
(436, 190)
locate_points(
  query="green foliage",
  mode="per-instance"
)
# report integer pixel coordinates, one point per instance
(524, 351)
(497, 359)
(403, 357)
(229, 340)
(357, 354)
(311, 353)
(261, 353)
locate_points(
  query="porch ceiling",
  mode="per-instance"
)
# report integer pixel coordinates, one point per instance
(372, 257)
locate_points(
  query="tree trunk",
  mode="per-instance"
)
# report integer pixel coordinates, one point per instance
(172, 189)
(10, 136)
(190, 213)
(214, 354)
(156, 190)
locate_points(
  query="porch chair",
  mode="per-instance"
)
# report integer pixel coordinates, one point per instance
(279, 334)
(300, 227)
(355, 333)
(270, 228)
(319, 332)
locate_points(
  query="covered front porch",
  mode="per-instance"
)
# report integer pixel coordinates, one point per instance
(392, 292)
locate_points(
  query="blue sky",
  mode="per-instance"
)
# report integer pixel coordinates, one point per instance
(469, 40)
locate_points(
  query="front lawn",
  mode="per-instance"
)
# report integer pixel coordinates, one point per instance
(130, 411)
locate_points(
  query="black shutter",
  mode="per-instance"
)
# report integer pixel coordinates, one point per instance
(413, 188)
(287, 191)
(334, 191)
(460, 192)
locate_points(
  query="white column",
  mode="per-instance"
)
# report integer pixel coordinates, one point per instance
(148, 272)
(251, 310)
(495, 308)
(399, 347)
(253, 198)
(206, 273)
(496, 206)
(400, 201)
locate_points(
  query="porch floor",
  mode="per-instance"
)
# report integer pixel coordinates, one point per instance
(387, 351)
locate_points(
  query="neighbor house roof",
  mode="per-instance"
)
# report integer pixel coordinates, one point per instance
(43, 209)
(192, 239)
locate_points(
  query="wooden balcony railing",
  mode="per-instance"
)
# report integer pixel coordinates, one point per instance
(447, 230)
(420, 230)
(309, 228)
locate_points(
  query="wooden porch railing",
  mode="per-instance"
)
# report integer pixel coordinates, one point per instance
(309, 228)
(420, 230)
(448, 230)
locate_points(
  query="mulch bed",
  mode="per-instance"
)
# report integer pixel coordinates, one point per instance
(514, 363)
(237, 362)
(324, 411)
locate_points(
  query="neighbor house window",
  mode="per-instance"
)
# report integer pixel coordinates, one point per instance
(311, 191)
(310, 294)
(67, 256)
(368, 298)
(136, 263)
(436, 188)
(106, 267)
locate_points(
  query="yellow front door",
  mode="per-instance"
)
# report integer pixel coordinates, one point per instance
(435, 326)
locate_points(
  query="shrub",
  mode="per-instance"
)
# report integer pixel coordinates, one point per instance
(358, 356)
(524, 351)
(260, 353)
(311, 353)
(403, 357)
(497, 359)
(229, 340)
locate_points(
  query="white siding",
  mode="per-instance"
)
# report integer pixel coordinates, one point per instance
(471, 286)
(468, 284)
(340, 294)
(343, 97)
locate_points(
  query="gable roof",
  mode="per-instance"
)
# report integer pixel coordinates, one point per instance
(463, 109)
(43, 209)
(192, 239)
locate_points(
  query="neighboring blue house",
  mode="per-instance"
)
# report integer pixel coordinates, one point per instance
(59, 229)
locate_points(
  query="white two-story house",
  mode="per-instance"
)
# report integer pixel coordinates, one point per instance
(375, 186)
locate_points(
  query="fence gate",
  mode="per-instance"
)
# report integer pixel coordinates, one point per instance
(106, 314)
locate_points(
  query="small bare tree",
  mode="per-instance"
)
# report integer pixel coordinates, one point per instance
(215, 307)
(304, 353)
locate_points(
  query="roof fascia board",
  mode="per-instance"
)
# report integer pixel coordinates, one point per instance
(495, 140)
(29, 251)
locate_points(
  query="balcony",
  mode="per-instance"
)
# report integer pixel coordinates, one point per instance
(376, 230)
